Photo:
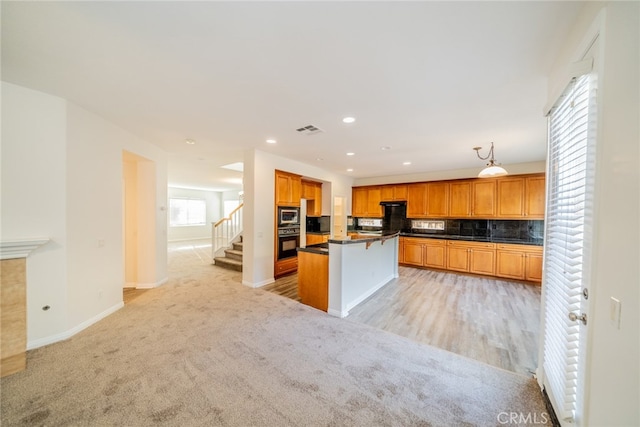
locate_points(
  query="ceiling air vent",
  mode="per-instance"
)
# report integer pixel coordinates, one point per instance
(309, 130)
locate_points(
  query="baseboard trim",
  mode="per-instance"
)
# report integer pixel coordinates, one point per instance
(41, 342)
(337, 313)
(152, 285)
(258, 284)
(208, 238)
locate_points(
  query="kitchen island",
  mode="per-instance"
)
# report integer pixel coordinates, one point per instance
(338, 275)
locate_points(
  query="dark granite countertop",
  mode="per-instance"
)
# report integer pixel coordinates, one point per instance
(515, 241)
(323, 248)
(366, 238)
(320, 233)
(320, 249)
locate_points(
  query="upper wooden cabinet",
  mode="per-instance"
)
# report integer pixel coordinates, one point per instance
(511, 197)
(374, 197)
(483, 198)
(460, 199)
(288, 188)
(312, 191)
(472, 198)
(308, 190)
(393, 193)
(366, 202)
(359, 201)
(437, 199)
(417, 200)
(521, 197)
(428, 200)
(534, 202)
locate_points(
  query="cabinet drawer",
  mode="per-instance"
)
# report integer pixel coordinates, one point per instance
(484, 245)
(524, 248)
(286, 266)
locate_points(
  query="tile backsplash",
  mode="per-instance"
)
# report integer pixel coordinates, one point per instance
(504, 229)
(532, 229)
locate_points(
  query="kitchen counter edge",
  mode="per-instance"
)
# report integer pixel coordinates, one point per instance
(530, 242)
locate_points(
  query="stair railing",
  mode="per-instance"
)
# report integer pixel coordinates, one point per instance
(226, 230)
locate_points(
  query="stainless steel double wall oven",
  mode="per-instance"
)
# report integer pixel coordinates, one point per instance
(288, 231)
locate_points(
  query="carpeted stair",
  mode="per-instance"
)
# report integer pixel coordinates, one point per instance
(232, 258)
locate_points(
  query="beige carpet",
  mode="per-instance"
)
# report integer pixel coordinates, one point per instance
(201, 351)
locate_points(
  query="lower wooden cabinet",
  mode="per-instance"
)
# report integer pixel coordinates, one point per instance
(313, 280)
(423, 252)
(413, 252)
(519, 262)
(285, 266)
(471, 257)
(435, 253)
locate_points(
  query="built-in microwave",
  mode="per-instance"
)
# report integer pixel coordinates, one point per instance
(288, 216)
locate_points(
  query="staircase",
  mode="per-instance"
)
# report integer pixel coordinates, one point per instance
(227, 239)
(232, 259)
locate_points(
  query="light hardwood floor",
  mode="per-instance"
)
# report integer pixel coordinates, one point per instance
(129, 294)
(493, 321)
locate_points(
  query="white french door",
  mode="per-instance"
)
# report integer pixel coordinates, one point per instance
(568, 231)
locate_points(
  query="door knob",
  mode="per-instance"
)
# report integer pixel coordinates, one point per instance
(582, 317)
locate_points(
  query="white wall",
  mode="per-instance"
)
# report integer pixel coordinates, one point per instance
(213, 201)
(231, 195)
(34, 138)
(613, 355)
(62, 175)
(259, 206)
(94, 213)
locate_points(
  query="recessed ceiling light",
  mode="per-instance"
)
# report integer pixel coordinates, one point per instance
(349, 170)
(406, 163)
(350, 153)
(190, 141)
(271, 141)
(349, 120)
(320, 159)
(385, 148)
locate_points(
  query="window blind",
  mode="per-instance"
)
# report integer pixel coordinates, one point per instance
(568, 231)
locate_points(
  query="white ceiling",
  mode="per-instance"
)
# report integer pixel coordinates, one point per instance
(431, 80)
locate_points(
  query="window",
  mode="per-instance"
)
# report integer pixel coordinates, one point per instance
(187, 212)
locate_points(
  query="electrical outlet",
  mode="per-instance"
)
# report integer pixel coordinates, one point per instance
(615, 309)
(101, 243)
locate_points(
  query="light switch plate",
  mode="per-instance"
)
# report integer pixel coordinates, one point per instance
(614, 312)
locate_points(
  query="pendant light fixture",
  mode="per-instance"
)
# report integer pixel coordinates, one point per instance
(492, 170)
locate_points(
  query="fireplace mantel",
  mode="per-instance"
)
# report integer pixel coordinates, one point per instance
(13, 302)
(20, 248)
